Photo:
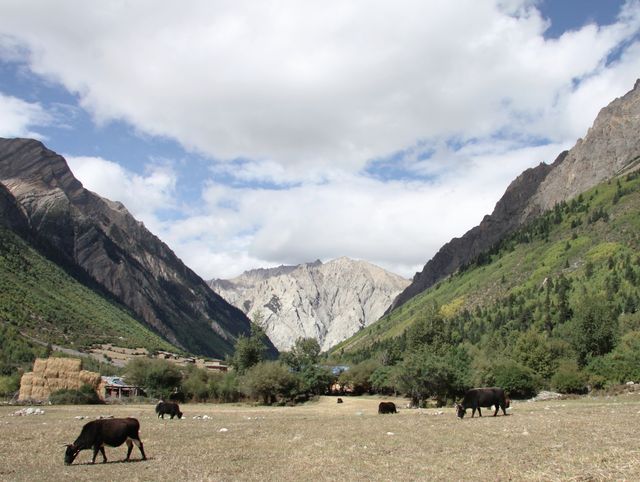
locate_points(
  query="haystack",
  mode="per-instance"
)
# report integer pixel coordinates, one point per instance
(51, 374)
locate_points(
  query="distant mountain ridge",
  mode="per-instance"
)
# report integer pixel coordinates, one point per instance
(326, 301)
(611, 146)
(39, 193)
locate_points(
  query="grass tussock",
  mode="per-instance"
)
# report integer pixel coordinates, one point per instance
(579, 439)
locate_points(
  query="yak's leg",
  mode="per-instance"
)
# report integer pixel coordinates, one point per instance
(497, 407)
(504, 408)
(138, 442)
(479, 411)
(129, 448)
(96, 448)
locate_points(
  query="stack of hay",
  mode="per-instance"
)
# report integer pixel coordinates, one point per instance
(53, 374)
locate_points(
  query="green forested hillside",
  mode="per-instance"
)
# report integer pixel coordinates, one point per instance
(553, 306)
(41, 300)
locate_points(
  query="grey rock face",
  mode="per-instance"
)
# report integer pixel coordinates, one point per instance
(506, 217)
(328, 302)
(611, 147)
(10, 214)
(117, 251)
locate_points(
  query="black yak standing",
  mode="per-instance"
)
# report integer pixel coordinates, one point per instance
(168, 408)
(387, 407)
(483, 397)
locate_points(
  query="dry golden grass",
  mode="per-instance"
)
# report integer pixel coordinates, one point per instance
(583, 439)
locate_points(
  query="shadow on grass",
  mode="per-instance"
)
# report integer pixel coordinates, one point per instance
(109, 462)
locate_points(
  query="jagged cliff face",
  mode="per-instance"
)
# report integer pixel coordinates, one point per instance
(10, 214)
(117, 251)
(611, 147)
(328, 302)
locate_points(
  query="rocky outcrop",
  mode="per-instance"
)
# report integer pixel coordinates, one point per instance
(328, 302)
(10, 214)
(117, 251)
(611, 147)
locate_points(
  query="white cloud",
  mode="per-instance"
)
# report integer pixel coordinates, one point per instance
(391, 223)
(17, 117)
(143, 196)
(314, 98)
(317, 83)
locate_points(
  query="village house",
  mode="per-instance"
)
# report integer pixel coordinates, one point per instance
(116, 387)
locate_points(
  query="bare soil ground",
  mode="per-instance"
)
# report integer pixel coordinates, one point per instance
(581, 439)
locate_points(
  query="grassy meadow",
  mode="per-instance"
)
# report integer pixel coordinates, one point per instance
(591, 438)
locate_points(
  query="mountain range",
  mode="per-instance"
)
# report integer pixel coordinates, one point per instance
(611, 147)
(102, 243)
(326, 301)
(99, 244)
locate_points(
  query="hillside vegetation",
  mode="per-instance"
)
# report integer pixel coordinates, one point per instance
(41, 300)
(553, 305)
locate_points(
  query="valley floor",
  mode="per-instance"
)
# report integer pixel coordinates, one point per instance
(580, 439)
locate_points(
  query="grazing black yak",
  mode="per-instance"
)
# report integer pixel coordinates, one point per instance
(98, 433)
(169, 408)
(387, 407)
(483, 397)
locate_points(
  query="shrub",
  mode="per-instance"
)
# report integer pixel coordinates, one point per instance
(225, 388)
(195, 384)
(357, 377)
(442, 375)
(569, 379)
(593, 327)
(535, 351)
(597, 382)
(251, 350)
(269, 381)
(517, 380)
(315, 380)
(86, 395)
(158, 377)
(304, 353)
(382, 380)
(9, 384)
(629, 322)
(622, 364)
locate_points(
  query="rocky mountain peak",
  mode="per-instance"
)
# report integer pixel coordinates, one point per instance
(326, 301)
(108, 244)
(611, 146)
(27, 163)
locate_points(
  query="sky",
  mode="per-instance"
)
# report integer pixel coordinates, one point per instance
(253, 134)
